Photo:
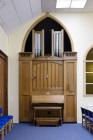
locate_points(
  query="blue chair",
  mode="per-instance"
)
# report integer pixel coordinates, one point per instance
(90, 120)
(2, 131)
(83, 116)
(4, 123)
(87, 118)
(8, 119)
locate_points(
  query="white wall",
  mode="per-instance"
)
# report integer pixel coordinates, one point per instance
(3, 41)
(80, 28)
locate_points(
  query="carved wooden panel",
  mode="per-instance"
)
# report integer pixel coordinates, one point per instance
(70, 77)
(70, 108)
(55, 75)
(25, 76)
(25, 108)
(47, 75)
(70, 91)
(39, 75)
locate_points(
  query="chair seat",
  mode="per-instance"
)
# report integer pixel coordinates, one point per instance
(91, 119)
(3, 123)
(1, 126)
(7, 117)
(86, 117)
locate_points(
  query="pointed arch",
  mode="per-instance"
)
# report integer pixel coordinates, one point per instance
(88, 71)
(87, 51)
(46, 15)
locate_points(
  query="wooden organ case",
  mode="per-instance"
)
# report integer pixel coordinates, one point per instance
(47, 81)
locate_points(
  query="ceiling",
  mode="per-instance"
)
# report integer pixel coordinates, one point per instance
(14, 13)
(51, 7)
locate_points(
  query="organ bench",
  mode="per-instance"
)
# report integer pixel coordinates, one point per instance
(47, 114)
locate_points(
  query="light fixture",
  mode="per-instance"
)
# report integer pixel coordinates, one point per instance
(71, 3)
(78, 3)
(63, 3)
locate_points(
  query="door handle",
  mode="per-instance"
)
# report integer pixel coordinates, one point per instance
(46, 76)
(34, 77)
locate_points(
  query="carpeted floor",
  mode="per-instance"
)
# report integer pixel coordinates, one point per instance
(64, 132)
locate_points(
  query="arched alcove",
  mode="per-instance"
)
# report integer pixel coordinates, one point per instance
(48, 24)
(52, 23)
(89, 72)
(90, 54)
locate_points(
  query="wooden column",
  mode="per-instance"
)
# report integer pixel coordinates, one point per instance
(25, 84)
(70, 102)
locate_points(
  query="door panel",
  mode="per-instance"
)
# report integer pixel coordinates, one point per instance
(39, 75)
(47, 75)
(5, 88)
(25, 108)
(42, 75)
(55, 75)
(3, 83)
(70, 77)
(70, 91)
(34, 76)
(70, 107)
(60, 75)
(25, 73)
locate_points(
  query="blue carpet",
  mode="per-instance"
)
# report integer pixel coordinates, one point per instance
(64, 132)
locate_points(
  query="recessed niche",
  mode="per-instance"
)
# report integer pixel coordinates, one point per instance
(48, 24)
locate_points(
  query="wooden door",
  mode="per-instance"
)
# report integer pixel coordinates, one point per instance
(69, 91)
(39, 76)
(3, 82)
(25, 90)
(25, 108)
(47, 76)
(55, 77)
(5, 86)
